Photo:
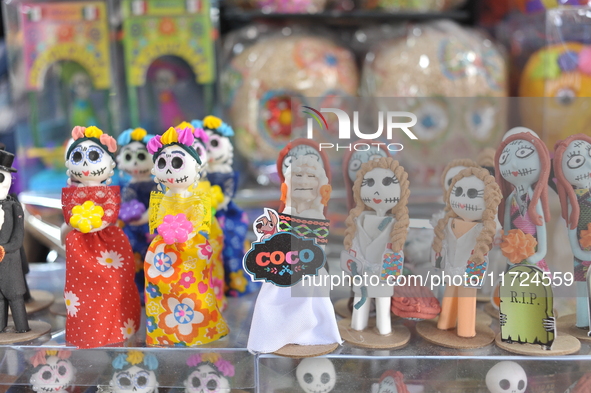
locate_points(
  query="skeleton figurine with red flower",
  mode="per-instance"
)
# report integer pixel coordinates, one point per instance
(181, 304)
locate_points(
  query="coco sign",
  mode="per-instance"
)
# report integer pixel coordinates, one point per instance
(284, 259)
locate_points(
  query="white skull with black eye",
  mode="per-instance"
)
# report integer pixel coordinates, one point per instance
(316, 375)
(90, 163)
(519, 163)
(175, 168)
(206, 379)
(134, 379)
(201, 150)
(454, 170)
(299, 151)
(135, 160)
(5, 184)
(220, 150)
(54, 376)
(467, 198)
(506, 377)
(388, 385)
(380, 190)
(576, 164)
(361, 157)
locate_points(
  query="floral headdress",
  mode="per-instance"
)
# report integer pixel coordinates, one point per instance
(198, 132)
(81, 134)
(223, 366)
(214, 124)
(134, 135)
(181, 137)
(133, 358)
(40, 357)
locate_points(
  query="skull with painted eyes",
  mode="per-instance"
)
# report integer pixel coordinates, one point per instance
(316, 375)
(5, 184)
(380, 190)
(201, 150)
(220, 150)
(298, 151)
(134, 379)
(89, 162)
(467, 198)
(135, 160)
(519, 163)
(175, 168)
(54, 376)
(206, 379)
(361, 157)
(576, 164)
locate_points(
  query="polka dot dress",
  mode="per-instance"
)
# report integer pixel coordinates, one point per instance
(101, 298)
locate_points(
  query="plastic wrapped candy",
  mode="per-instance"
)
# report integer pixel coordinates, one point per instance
(440, 62)
(259, 83)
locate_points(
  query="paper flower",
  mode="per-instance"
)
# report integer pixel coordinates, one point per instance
(87, 217)
(586, 237)
(175, 229)
(131, 211)
(518, 246)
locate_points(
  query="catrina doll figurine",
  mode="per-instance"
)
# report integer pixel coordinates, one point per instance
(299, 316)
(53, 371)
(134, 372)
(572, 168)
(463, 238)
(232, 219)
(181, 307)
(209, 372)
(135, 160)
(99, 258)
(374, 238)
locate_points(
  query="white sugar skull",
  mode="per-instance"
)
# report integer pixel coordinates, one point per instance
(298, 151)
(380, 190)
(134, 379)
(316, 375)
(519, 162)
(5, 184)
(55, 376)
(467, 198)
(175, 168)
(90, 163)
(450, 175)
(576, 164)
(219, 149)
(361, 157)
(206, 379)
(506, 377)
(135, 160)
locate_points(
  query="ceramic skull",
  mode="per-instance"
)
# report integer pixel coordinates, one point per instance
(380, 190)
(576, 164)
(467, 198)
(206, 379)
(90, 162)
(316, 375)
(220, 150)
(56, 375)
(176, 169)
(506, 377)
(134, 379)
(135, 160)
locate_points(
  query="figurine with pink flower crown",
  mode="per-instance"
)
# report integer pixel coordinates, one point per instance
(181, 307)
(209, 372)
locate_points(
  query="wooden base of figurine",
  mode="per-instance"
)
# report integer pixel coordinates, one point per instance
(564, 344)
(489, 309)
(40, 300)
(566, 325)
(38, 329)
(483, 318)
(371, 338)
(59, 308)
(449, 339)
(305, 351)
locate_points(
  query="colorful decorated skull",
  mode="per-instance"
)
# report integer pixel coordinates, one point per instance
(506, 377)
(316, 375)
(89, 158)
(209, 374)
(134, 158)
(53, 371)
(467, 198)
(134, 372)
(220, 151)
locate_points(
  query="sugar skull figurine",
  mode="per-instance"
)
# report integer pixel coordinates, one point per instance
(572, 168)
(181, 306)
(462, 241)
(390, 382)
(316, 375)
(375, 235)
(135, 372)
(52, 371)
(99, 257)
(231, 217)
(209, 373)
(135, 160)
(506, 376)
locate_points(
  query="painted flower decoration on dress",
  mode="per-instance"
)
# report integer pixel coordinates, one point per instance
(162, 260)
(110, 259)
(184, 316)
(175, 229)
(128, 329)
(72, 303)
(518, 246)
(87, 217)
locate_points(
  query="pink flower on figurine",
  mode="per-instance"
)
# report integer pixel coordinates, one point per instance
(175, 229)
(205, 250)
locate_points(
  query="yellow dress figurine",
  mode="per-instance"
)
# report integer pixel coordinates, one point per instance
(181, 306)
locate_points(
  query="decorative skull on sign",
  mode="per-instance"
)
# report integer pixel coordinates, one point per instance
(208, 374)
(316, 375)
(53, 371)
(134, 372)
